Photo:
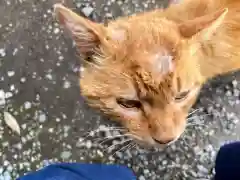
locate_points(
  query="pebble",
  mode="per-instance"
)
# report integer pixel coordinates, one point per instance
(235, 83)
(202, 169)
(8, 95)
(60, 58)
(12, 87)
(2, 52)
(15, 51)
(27, 105)
(88, 144)
(42, 118)
(87, 11)
(11, 73)
(2, 98)
(66, 154)
(142, 177)
(66, 84)
(56, 30)
(49, 76)
(23, 79)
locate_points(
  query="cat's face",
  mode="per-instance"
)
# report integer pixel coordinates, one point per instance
(140, 70)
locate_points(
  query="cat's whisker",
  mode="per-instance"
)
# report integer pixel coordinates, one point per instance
(113, 127)
(93, 132)
(134, 136)
(124, 147)
(185, 142)
(117, 129)
(195, 124)
(194, 117)
(193, 112)
(133, 146)
(90, 133)
(111, 138)
(112, 146)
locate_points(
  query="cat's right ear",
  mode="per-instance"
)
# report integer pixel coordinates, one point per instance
(87, 34)
(204, 26)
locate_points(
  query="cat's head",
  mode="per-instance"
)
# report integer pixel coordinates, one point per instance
(142, 70)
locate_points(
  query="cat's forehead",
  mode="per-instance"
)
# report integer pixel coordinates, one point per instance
(142, 32)
(158, 63)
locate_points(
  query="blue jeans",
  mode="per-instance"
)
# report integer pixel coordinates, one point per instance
(227, 168)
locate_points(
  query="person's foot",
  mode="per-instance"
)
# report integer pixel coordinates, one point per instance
(228, 162)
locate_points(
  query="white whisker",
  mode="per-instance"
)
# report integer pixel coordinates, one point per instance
(109, 148)
(196, 124)
(193, 112)
(92, 132)
(124, 147)
(111, 137)
(131, 135)
(193, 117)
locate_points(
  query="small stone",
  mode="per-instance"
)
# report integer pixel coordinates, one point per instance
(49, 76)
(58, 119)
(50, 130)
(8, 95)
(2, 98)
(202, 169)
(146, 171)
(60, 58)
(27, 105)
(9, 168)
(66, 154)
(15, 51)
(164, 162)
(6, 163)
(56, 30)
(2, 52)
(66, 84)
(11, 73)
(23, 79)
(12, 87)
(42, 118)
(87, 11)
(234, 83)
(141, 177)
(18, 146)
(88, 144)
(235, 121)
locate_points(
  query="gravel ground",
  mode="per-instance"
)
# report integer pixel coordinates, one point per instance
(39, 87)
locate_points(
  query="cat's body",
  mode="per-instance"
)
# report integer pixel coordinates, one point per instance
(146, 70)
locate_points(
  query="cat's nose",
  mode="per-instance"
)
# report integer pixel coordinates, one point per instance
(166, 141)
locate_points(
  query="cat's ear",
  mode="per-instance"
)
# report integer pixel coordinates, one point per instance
(87, 34)
(204, 26)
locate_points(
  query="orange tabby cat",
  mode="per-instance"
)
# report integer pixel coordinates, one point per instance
(146, 70)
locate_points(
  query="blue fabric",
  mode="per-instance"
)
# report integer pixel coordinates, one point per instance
(227, 168)
(228, 162)
(77, 171)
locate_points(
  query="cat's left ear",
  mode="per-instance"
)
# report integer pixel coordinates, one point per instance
(87, 34)
(204, 26)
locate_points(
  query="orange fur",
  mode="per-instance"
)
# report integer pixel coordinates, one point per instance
(146, 70)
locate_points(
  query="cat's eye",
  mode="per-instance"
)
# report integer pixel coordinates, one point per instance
(127, 103)
(182, 96)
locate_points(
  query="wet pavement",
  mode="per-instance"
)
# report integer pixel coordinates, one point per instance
(39, 87)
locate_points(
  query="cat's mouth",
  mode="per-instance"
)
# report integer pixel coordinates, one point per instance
(151, 142)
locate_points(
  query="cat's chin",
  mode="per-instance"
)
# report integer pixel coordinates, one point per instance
(150, 146)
